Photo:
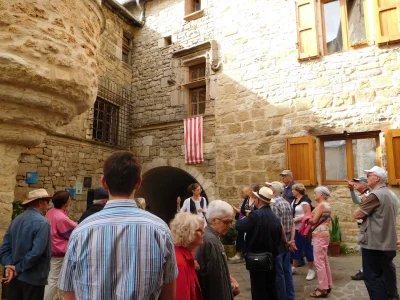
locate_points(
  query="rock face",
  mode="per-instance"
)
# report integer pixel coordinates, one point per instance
(48, 65)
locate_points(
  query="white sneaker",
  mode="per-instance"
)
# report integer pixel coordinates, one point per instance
(310, 275)
(236, 258)
(294, 271)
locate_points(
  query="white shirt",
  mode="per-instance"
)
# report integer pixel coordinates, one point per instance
(186, 207)
(299, 212)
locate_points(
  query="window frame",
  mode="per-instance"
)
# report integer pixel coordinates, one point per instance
(126, 48)
(198, 83)
(112, 135)
(345, 27)
(198, 90)
(190, 12)
(349, 137)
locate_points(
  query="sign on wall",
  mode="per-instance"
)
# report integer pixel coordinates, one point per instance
(32, 177)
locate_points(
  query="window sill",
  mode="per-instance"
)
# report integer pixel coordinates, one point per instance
(126, 65)
(194, 84)
(195, 15)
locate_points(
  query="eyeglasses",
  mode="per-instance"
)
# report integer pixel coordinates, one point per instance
(283, 175)
(226, 222)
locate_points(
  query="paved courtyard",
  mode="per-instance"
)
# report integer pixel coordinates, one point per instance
(343, 287)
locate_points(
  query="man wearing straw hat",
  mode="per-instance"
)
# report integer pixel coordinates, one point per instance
(26, 249)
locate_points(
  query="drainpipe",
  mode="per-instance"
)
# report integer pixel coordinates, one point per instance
(121, 10)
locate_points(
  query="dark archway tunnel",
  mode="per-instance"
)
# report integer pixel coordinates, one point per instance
(160, 188)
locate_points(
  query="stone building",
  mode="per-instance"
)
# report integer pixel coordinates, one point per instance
(278, 85)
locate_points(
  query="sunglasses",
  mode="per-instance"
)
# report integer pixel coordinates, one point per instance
(226, 222)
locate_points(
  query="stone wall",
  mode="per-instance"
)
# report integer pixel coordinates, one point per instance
(69, 155)
(61, 163)
(264, 94)
(110, 67)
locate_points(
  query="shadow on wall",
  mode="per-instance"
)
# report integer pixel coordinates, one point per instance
(161, 186)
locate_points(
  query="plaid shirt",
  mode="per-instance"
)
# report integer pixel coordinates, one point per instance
(283, 210)
(121, 252)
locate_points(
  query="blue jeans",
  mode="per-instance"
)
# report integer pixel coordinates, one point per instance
(379, 274)
(284, 279)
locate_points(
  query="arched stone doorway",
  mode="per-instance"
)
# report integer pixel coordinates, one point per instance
(161, 186)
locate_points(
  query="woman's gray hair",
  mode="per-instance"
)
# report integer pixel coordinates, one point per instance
(323, 190)
(219, 209)
(183, 228)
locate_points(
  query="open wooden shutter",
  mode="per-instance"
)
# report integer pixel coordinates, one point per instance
(307, 40)
(300, 159)
(386, 21)
(392, 138)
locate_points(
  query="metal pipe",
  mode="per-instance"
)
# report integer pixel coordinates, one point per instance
(119, 9)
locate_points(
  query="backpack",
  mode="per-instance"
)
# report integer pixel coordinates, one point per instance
(193, 209)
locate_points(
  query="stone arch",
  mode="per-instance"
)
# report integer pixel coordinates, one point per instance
(164, 180)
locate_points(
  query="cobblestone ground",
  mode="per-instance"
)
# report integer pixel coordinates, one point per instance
(343, 287)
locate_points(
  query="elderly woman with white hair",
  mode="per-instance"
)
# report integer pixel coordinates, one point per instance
(215, 280)
(321, 217)
(187, 232)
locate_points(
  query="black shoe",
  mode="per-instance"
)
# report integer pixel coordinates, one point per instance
(358, 276)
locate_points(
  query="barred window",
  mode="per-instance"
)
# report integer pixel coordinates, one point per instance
(105, 121)
(109, 116)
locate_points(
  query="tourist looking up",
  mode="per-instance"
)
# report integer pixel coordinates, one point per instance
(61, 227)
(302, 207)
(321, 218)
(187, 231)
(360, 185)
(26, 249)
(263, 234)
(378, 250)
(283, 210)
(215, 280)
(121, 252)
(99, 201)
(195, 204)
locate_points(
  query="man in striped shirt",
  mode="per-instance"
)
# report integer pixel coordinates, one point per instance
(121, 252)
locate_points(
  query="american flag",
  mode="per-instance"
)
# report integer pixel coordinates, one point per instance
(193, 131)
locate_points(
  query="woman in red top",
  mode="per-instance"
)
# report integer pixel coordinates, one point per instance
(187, 231)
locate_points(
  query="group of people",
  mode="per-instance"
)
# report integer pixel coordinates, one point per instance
(118, 251)
(269, 220)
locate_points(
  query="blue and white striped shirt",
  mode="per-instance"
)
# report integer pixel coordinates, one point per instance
(121, 252)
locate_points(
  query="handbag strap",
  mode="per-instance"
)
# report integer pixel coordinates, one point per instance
(321, 220)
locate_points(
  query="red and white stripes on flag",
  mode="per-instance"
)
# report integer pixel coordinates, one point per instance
(193, 131)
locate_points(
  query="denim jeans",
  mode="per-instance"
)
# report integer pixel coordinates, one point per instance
(284, 279)
(379, 274)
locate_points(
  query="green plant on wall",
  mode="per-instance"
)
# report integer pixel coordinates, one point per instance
(335, 232)
(17, 209)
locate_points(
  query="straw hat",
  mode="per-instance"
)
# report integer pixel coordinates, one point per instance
(35, 195)
(265, 194)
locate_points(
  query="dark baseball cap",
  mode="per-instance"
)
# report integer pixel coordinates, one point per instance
(100, 194)
(363, 179)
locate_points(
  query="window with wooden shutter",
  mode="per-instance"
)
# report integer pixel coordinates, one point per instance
(392, 138)
(306, 29)
(386, 21)
(346, 156)
(300, 159)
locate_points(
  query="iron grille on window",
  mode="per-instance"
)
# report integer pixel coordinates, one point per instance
(105, 118)
(109, 115)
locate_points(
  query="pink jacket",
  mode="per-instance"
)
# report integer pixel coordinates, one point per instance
(61, 229)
